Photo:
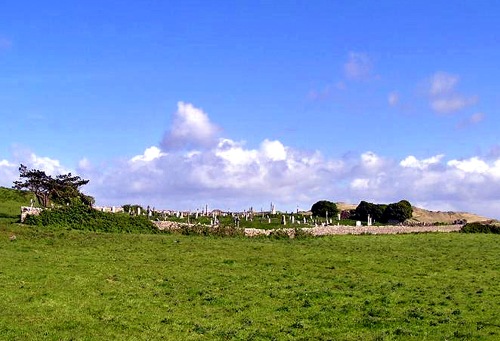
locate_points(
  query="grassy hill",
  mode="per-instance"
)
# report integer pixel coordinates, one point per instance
(11, 201)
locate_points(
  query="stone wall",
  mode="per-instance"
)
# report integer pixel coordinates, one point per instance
(27, 210)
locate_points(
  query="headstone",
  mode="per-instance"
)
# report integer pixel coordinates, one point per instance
(358, 223)
(293, 220)
(283, 220)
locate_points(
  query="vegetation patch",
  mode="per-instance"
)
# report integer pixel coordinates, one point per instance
(480, 228)
(85, 218)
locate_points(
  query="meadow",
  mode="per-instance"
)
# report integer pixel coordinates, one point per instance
(84, 285)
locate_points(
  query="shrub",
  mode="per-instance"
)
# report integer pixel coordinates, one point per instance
(81, 217)
(480, 228)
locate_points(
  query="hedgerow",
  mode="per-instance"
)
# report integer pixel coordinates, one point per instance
(81, 217)
(480, 228)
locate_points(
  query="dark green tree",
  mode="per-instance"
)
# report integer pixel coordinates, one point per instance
(63, 189)
(320, 208)
(375, 211)
(399, 211)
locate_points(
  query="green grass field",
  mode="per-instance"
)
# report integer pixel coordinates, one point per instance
(74, 285)
(84, 286)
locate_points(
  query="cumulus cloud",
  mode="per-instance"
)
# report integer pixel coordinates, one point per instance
(412, 162)
(149, 154)
(9, 170)
(443, 96)
(8, 173)
(191, 128)
(230, 174)
(358, 67)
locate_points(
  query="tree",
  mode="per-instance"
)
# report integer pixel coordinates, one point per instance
(63, 189)
(399, 211)
(375, 211)
(320, 208)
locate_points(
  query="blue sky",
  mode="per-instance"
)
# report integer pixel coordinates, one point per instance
(238, 104)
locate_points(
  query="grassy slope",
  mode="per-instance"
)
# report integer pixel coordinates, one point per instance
(114, 286)
(11, 202)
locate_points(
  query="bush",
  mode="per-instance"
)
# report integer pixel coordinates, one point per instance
(81, 217)
(480, 228)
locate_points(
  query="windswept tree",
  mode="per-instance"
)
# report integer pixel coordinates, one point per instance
(63, 189)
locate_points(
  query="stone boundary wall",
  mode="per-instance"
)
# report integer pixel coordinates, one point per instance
(332, 230)
(27, 210)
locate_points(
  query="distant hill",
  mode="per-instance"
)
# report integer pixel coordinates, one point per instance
(426, 216)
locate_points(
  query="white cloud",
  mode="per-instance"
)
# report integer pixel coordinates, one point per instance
(442, 83)
(231, 175)
(450, 104)
(84, 164)
(9, 170)
(47, 164)
(8, 173)
(150, 154)
(472, 165)
(191, 128)
(358, 67)
(443, 96)
(412, 162)
(273, 150)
